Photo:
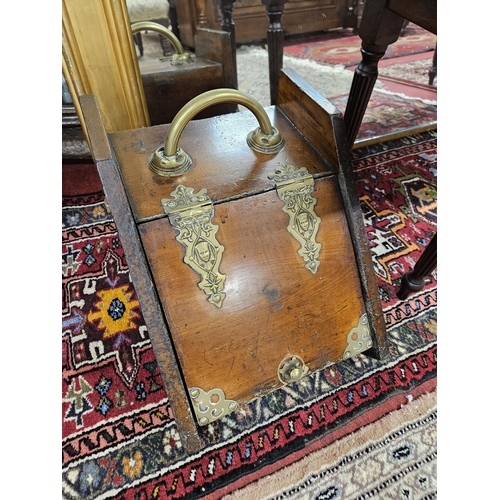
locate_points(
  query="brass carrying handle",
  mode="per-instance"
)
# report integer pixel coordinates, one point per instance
(171, 160)
(180, 57)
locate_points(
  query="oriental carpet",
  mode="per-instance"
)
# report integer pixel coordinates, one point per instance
(342, 47)
(119, 437)
(401, 98)
(392, 458)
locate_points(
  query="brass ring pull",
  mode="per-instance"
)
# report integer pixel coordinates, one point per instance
(180, 57)
(171, 160)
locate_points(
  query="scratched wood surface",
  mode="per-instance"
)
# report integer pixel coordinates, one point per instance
(274, 306)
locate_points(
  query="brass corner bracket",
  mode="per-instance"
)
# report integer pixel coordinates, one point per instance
(358, 338)
(210, 406)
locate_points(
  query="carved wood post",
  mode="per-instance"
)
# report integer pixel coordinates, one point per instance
(202, 17)
(275, 42)
(414, 281)
(226, 10)
(174, 22)
(362, 85)
(379, 28)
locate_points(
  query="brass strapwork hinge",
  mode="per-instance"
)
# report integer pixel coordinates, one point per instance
(295, 187)
(191, 214)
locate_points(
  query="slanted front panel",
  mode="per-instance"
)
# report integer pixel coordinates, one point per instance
(274, 306)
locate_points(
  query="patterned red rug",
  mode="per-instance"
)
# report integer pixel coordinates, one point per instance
(341, 47)
(387, 113)
(119, 438)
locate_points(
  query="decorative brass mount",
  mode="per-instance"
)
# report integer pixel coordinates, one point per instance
(358, 338)
(294, 188)
(291, 369)
(210, 406)
(180, 57)
(170, 160)
(191, 214)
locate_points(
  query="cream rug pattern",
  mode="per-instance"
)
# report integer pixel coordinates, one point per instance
(394, 458)
(253, 74)
(419, 71)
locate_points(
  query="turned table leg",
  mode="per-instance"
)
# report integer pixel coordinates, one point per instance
(174, 22)
(138, 40)
(362, 85)
(275, 42)
(414, 281)
(379, 28)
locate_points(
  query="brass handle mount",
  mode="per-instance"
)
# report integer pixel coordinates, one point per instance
(180, 57)
(171, 160)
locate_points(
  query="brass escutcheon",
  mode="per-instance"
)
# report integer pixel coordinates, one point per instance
(291, 369)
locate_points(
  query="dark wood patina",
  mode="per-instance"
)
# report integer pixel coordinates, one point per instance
(275, 42)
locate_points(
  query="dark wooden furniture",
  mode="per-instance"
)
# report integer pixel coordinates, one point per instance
(167, 87)
(275, 42)
(381, 26)
(74, 144)
(302, 17)
(274, 308)
(156, 12)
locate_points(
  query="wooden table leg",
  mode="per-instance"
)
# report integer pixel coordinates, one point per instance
(414, 281)
(174, 22)
(379, 28)
(433, 71)
(362, 85)
(275, 43)
(138, 41)
(227, 24)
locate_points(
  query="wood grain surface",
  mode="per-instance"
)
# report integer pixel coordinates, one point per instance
(274, 305)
